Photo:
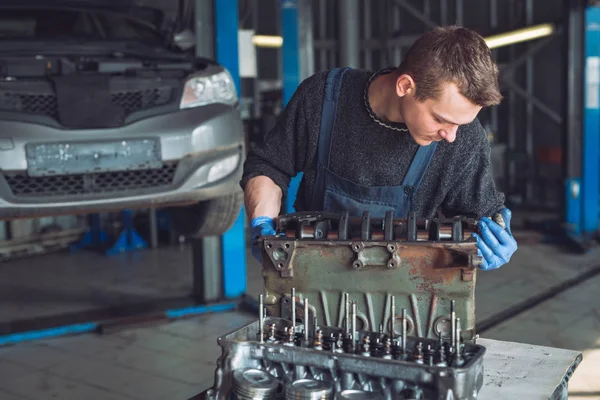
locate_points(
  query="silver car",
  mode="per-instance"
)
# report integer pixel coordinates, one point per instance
(101, 110)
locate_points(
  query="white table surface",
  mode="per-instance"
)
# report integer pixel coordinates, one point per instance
(523, 371)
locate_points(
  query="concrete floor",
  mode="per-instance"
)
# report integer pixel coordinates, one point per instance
(177, 360)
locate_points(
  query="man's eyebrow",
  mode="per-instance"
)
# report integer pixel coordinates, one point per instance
(446, 119)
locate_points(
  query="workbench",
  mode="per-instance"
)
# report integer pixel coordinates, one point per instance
(521, 371)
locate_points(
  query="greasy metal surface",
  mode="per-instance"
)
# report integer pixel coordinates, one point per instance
(423, 275)
(241, 349)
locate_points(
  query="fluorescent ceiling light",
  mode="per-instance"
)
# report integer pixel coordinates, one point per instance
(519, 35)
(495, 41)
(267, 41)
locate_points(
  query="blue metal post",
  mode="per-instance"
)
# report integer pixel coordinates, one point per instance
(290, 49)
(226, 37)
(573, 204)
(291, 74)
(590, 179)
(233, 242)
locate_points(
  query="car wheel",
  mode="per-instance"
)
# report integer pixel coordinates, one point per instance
(207, 218)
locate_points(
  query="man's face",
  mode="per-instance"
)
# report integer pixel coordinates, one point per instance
(439, 119)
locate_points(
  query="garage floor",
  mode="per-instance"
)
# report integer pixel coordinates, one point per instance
(177, 360)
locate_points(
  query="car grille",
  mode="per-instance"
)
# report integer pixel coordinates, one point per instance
(39, 97)
(24, 186)
(41, 104)
(132, 101)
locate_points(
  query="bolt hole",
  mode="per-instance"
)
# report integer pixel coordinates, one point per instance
(269, 246)
(287, 246)
(280, 265)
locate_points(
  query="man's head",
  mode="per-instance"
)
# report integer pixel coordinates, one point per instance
(445, 79)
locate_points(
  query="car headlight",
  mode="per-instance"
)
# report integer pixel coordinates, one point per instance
(202, 90)
(222, 168)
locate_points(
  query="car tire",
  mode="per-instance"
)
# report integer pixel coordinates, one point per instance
(207, 218)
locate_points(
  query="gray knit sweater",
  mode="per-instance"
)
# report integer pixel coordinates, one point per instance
(457, 182)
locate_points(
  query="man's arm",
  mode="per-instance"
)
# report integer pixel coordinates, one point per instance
(272, 162)
(262, 197)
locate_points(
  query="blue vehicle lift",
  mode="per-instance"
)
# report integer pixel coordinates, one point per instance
(291, 74)
(582, 123)
(219, 263)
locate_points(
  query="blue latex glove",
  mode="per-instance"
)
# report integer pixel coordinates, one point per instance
(496, 245)
(260, 226)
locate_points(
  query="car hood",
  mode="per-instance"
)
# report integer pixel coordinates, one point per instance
(154, 11)
(116, 4)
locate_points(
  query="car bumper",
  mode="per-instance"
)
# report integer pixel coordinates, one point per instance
(192, 141)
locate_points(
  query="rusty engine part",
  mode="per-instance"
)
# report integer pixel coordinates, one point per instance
(418, 264)
(339, 226)
(305, 360)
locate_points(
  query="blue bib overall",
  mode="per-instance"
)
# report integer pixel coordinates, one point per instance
(336, 194)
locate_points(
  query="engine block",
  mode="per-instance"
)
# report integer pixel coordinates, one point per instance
(423, 264)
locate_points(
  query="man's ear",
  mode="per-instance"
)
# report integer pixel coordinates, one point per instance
(404, 85)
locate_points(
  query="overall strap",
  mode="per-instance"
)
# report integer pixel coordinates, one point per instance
(419, 165)
(328, 114)
(416, 171)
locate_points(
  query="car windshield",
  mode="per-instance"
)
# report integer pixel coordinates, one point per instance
(51, 24)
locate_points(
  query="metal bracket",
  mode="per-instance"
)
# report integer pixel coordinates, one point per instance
(281, 254)
(375, 255)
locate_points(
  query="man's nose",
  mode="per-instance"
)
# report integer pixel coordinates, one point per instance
(449, 134)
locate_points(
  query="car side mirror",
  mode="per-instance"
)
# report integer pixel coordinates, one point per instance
(185, 39)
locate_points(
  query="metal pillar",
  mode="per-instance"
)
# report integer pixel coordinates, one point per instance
(349, 33)
(297, 42)
(493, 5)
(305, 39)
(204, 28)
(590, 186)
(226, 37)
(219, 263)
(529, 132)
(582, 141)
(291, 48)
(573, 114)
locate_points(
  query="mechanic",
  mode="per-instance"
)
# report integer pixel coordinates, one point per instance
(403, 138)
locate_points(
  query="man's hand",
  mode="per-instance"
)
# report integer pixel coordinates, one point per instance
(260, 226)
(496, 245)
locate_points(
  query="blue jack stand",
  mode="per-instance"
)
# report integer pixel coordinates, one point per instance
(96, 238)
(128, 239)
